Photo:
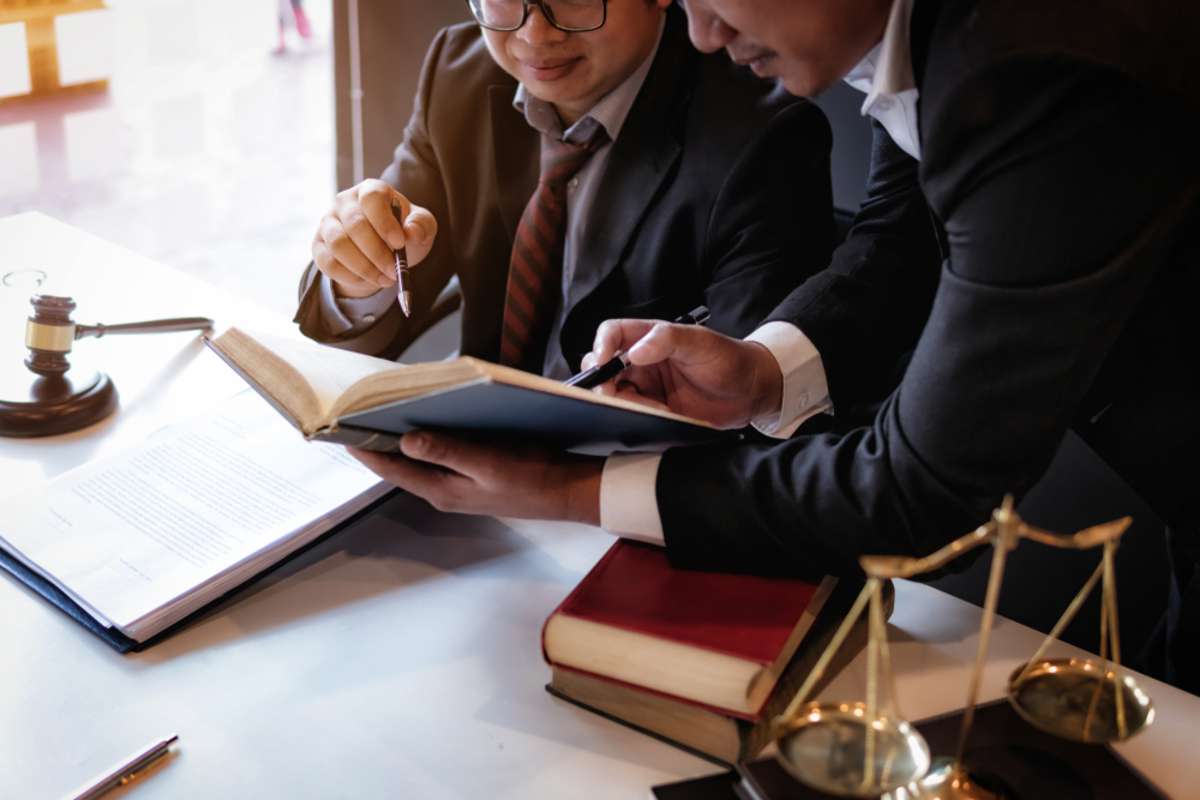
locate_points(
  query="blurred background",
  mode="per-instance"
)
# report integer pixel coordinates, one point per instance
(179, 131)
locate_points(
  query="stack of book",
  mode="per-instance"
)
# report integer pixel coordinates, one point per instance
(703, 660)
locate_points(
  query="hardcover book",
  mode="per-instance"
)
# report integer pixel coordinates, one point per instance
(703, 660)
(346, 397)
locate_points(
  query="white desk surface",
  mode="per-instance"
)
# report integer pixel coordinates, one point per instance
(400, 658)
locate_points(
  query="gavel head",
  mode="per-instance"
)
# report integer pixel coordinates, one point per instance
(49, 333)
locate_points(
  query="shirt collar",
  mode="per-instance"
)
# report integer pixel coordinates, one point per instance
(610, 112)
(887, 69)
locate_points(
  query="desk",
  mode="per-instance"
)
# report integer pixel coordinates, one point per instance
(399, 658)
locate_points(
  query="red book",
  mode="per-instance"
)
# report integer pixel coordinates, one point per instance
(711, 639)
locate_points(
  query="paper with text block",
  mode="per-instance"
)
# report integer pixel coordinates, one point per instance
(143, 538)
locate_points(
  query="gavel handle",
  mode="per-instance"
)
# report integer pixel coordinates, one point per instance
(149, 326)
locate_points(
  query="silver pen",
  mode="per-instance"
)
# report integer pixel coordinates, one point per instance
(400, 259)
(127, 771)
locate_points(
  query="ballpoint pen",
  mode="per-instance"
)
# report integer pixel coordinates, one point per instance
(594, 376)
(127, 771)
(400, 257)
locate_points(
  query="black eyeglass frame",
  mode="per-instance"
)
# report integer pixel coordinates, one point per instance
(547, 12)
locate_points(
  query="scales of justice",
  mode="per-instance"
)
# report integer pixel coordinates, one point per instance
(857, 749)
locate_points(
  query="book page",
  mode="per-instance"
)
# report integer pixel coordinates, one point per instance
(129, 535)
(305, 377)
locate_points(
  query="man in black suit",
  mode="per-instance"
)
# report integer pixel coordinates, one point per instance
(709, 187)
(1044, 149)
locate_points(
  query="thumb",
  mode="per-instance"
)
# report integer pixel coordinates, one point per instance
(686, 345)
(662, 342)
(420, 227)
(435, 448)
(618, 334)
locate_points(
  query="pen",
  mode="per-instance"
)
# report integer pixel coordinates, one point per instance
(127, 771)
(403, 293)
(594, 376)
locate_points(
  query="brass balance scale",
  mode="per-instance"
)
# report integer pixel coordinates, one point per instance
(858, 749)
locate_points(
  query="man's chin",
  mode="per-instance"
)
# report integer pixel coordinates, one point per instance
(803, 83)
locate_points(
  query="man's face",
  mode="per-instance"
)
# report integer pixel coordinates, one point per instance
(808, 44)
(574, 70)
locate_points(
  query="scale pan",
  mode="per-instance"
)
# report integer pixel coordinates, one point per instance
(825, 747)
(1057, 694)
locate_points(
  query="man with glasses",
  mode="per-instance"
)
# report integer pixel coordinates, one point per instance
(570, 161)
(1050, 146)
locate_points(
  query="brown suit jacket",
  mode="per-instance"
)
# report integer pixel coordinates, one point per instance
(716, 192)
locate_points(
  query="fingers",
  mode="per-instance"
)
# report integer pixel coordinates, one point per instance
(347, 282)
(466, 458)
(686, 345)
(354, 242)
(443, 490)
(617, 334)
(398, 222)
(348, 249)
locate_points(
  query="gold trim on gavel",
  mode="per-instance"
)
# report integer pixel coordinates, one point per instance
(54, 338)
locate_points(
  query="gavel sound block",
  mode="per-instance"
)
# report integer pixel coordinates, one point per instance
(53, 397)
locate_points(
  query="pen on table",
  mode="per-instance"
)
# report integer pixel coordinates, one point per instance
(127, 771)
(594, 376)
(400, 257)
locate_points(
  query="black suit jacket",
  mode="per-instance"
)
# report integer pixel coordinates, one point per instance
(1060, 184)
(716, 191)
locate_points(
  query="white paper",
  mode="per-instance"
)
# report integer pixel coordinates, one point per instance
(193, 508)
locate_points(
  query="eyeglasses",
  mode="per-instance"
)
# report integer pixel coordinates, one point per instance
(572, 16)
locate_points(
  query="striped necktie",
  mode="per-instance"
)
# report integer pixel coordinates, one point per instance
(535, 267)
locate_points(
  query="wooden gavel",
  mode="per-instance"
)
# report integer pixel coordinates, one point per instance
(56, 399)
(49, 332)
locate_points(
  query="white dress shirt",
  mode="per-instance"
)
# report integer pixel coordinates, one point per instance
(628, 499)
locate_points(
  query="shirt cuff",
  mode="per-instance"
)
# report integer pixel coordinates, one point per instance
(628, 501)
(350, 315)
(805, 389)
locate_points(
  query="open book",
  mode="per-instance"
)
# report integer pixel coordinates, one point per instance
(131, 544)
(346, 397)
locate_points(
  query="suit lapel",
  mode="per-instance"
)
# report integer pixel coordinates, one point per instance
(645, 150)
(515, 148)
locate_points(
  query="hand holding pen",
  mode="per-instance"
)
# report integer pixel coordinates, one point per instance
(604, 371)
(357, 242)
(690, 370)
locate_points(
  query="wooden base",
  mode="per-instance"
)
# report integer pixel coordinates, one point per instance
(41, 406)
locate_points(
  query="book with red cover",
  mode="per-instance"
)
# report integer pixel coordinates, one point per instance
(713, 639)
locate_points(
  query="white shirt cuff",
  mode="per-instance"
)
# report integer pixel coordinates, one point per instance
(805, 389)
(628, 501)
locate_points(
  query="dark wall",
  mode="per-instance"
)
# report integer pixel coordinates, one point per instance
(393, 36)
